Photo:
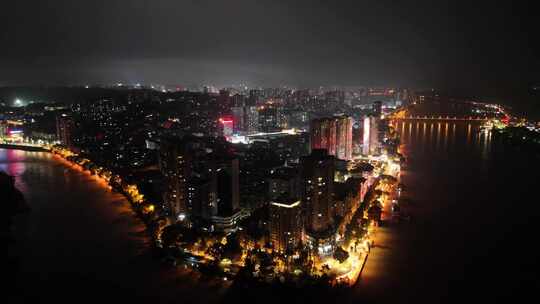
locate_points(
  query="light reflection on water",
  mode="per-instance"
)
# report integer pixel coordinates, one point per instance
(80, 234)
(446, 162)
(444, 137)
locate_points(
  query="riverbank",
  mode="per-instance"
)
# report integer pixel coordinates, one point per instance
(519, 138)
(83, 241)
(144, 210)
(111, 182)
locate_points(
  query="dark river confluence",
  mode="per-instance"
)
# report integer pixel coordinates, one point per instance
(472, 235)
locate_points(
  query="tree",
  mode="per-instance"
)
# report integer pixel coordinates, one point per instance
(216, 251)
(341, 255)
(170, 236)
(233, 249)
(375, 212)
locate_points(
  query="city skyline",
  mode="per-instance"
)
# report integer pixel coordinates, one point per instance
(201, 151)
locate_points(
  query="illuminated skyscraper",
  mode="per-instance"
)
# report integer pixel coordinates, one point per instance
(318, 170)
(284, 181)
(245, 119)
(238, 119)
(285, 224)
(225, 182)
(174, 164)
(333, 134)
(344, 138)
(323, 134)
(64, 129)
(238, 100)
(370, 138)
(254, 97)
(365, 137)
(251, 119)
(269, 119)
(224, 100)
(201, 181)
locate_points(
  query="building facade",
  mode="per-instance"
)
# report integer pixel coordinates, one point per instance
(286, 224)
(64, 129)
(284, 181)
(370, 138)
(318, 171)
(174, 164)
(333, 134)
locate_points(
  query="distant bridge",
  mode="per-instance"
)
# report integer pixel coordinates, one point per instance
(24, 146)
(470, 118)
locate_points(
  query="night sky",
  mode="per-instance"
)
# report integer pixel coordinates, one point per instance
(471, 46)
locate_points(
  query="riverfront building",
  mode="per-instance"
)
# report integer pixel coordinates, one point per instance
(333, 134)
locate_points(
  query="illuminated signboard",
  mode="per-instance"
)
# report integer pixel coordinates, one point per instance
(227, 124)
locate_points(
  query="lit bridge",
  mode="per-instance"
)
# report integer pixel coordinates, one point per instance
(24, 146)
(470, 118)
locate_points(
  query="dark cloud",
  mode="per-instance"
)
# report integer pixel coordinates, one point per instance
(473, 45)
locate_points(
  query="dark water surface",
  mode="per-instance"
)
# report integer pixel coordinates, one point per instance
(474, 228)
(473, 233)
(81, 242)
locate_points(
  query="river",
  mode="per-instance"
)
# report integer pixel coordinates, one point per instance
(473, 203)
(474, 212)
(82, 242)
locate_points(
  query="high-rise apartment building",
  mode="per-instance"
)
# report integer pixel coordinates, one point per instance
(238, 119)
(370, 138)
(286, 224)
(245, 119)
(251, 120)
(333, 134)
(344, 138)
(175, 165)
(64, 129)
(201, 183)
(226, 125)
(270, 119)
(318, 170)
(284, 181)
